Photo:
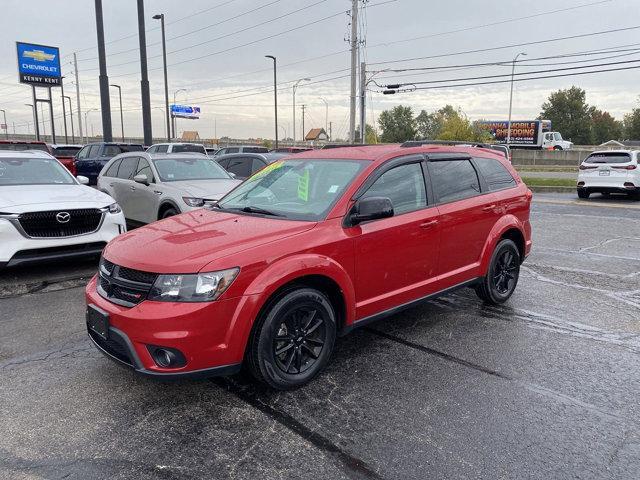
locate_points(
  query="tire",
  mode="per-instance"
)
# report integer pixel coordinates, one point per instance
(503, 273)
(169, 212)
(558, 147)
(301, 325)
(582, 193)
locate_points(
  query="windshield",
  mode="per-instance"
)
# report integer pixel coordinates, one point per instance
(612, 157)
(24, 146)
(65, 151)
(176, 169)
(295, 189)
(188, 148)
(33, 171)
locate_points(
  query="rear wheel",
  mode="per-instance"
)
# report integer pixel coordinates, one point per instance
(293, 340)
(502, 277)
(582, 193)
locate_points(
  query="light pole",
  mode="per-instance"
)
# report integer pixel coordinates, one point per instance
(164, 60)
(73, 133)
(166, 128)
(513, 71)
(275, 95)
(86, 130)
(326, 115)
(295, 87)
(173, 119)
(284, 129)
(121, 117)
(64, 110)
(35, 118)
(6, 126)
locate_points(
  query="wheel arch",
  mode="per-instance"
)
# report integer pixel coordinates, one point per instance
(165, 205)
(507, 227)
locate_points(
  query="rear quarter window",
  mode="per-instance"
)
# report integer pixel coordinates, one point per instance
(495, 174)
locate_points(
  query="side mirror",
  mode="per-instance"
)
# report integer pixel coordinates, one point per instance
(82, 180)
(371, 208)
(232, 175)
(141, 178)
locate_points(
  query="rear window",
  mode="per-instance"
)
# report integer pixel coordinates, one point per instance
(17, 147)
(131, 148)
(188, 148)
(606, 157)
(255, 150)
(66, 151)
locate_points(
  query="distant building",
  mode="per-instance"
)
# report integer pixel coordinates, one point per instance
(317, 135)
(190, 136)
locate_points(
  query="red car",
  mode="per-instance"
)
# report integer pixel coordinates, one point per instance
(308, 248)
(66, 155)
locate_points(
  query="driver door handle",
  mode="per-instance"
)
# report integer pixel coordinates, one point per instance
(429, 224)
(157, 192)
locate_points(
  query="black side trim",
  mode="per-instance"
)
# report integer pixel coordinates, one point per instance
(392, 311)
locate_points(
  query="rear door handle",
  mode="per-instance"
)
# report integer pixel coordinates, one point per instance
(429, 224)
(489, 208)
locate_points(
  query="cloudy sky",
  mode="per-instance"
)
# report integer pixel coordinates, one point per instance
(216, 52)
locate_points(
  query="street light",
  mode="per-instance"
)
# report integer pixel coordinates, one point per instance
(121, 117)
(6, 126)
(35, 121)
(64, 110)
(86, 130)
(173, 122)
(513, 71)
(73, 134)
(275, 95)
(295, 87)
(164, 60)
(326, 114)
(166, 127)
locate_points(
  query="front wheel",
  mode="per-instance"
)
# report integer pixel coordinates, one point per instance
(169, 212)
(502, 277)
(293, 340)
(557, 147)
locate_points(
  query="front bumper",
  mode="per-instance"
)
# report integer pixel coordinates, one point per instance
(18, 249)
(210, 335)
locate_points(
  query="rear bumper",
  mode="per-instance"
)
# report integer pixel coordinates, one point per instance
(608, 189)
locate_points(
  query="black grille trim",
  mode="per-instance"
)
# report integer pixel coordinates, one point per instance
(45, 225)
(124, 286)
(114, 347)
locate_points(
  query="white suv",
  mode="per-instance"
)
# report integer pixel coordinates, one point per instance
(150, 187)
(177, 148)
(610, 171)
(45, 213)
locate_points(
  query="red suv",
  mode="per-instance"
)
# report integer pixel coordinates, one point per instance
(308, 248)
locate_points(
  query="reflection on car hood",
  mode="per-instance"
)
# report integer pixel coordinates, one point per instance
(187, 243)
(24, 198)
(209, 189)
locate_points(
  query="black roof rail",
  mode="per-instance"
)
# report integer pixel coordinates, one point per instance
(344, 145)
(420, 143)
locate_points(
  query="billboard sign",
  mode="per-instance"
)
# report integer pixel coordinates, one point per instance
(39, 65)
(185, 111)
(522, 133)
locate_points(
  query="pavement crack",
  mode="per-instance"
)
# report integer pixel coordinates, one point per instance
(355, 467)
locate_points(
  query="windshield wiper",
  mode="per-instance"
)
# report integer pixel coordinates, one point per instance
(259, 210)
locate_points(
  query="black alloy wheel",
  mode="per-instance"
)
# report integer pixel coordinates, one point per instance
(502, 277)
(293, 339)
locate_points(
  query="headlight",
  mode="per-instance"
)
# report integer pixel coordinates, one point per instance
(194, 202)
(203, 287)
(114, 208)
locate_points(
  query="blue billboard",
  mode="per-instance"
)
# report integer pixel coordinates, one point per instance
(185, 111)
(39, 64)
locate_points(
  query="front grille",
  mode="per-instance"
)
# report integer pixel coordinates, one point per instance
(124, 286)
(60, 223)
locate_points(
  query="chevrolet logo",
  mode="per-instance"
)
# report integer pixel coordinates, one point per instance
(38, 55)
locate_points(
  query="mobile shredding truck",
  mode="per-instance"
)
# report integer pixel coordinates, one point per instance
(533, 134)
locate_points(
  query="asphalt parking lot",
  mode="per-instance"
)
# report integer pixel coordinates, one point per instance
(546, 386)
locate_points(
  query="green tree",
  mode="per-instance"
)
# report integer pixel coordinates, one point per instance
(632, 125)
(570, 115)
(457, 127)
(397, 125)
(371, 137)
(605, 127)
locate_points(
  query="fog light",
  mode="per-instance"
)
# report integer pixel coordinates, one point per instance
(166, 357)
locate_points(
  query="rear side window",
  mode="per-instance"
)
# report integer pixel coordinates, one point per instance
(112, 171)
(127, 167)
(453, 180)
(608, 157)
(495, 174)
(232, 150)
(404, 185)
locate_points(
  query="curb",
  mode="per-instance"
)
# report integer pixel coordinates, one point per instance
(545, 189)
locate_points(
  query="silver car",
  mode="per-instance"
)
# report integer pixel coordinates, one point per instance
(150, 187)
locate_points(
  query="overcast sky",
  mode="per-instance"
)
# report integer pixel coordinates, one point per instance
(220, 60)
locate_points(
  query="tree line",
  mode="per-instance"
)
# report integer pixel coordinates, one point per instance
(568, 110)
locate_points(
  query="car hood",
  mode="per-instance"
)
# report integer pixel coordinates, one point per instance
(187, 243)
(25, 198)
(209, 189)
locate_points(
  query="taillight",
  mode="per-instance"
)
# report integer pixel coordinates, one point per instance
(626, 167)
(587, 167)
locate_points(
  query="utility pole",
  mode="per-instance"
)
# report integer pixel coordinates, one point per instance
(513, 71)
(144, 83)
(73, 133)
(64, 110)
(363, 96)
(354, 68)
(121, 117)
(330, 129)
(303, 135)
(6, 127)
(105, 104)
(275, 96)
(326, 115)
(160, 17)
(75, 67)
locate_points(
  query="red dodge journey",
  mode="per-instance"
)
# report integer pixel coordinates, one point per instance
(308, 248)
